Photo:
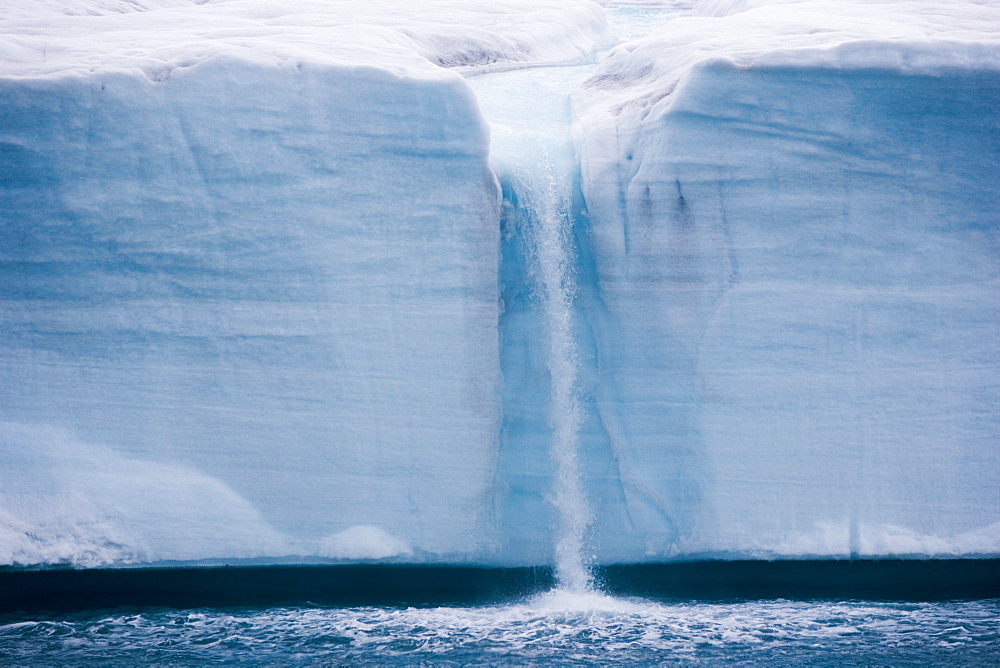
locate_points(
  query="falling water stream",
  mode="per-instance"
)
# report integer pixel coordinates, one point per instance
(551, 236)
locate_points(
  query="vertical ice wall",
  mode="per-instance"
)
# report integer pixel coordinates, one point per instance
(296, 297)
(795, 235)
(249, 276)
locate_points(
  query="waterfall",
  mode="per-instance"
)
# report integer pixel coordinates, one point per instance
(545, 196)
(532, 154)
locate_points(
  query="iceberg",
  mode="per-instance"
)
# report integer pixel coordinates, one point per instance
(273, 287)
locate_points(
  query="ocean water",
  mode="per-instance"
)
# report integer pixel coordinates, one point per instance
(551, 629)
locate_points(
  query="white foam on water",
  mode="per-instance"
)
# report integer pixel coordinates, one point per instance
(559, 627)
(568, 601)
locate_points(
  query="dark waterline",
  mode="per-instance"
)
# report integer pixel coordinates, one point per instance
(826, 613)
(64, 590)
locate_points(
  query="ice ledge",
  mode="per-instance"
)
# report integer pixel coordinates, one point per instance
(638, 79)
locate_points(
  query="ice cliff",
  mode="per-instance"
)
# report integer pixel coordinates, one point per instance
(255, 300)
(793, 237)
(249, 267)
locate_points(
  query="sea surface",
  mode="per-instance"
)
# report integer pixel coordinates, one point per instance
(557, 628)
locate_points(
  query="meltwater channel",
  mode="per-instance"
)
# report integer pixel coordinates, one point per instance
(575, 623)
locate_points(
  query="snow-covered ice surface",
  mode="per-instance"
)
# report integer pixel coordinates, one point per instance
(251, 270)
(794, 220)
(160, 36)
